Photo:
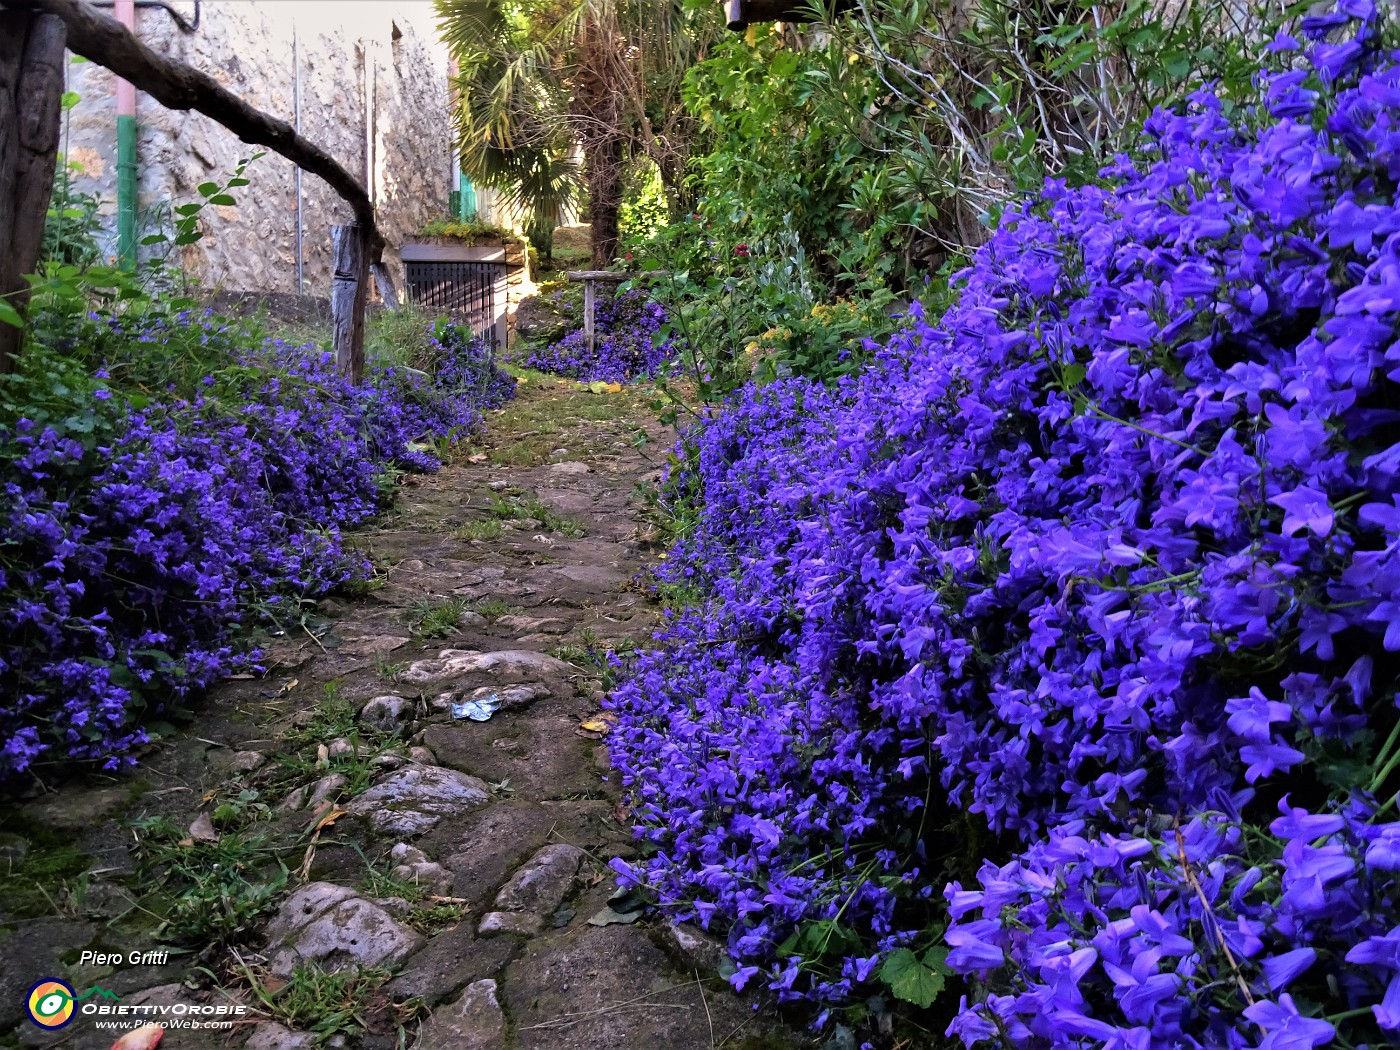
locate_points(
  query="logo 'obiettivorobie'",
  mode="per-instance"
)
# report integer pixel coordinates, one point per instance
(50, 1003)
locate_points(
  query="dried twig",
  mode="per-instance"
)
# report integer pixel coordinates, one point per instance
(705, 1003)
(636, 1003)
(1211, 921)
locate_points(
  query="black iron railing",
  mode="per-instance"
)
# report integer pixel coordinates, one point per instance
(464, 291)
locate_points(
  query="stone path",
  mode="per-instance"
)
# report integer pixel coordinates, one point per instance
(450, 873)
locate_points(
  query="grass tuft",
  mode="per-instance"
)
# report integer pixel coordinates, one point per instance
(437, 619)
(526, 508)
(490, 529)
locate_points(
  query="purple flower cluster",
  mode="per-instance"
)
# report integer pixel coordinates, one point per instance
(1111, 547)
(464, 367)
(1208, 933)
(626, 345)
(128, 563)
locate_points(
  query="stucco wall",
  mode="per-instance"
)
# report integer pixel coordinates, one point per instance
(363, 63)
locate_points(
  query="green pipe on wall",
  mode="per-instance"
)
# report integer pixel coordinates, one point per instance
(468, 199)
(126, 191)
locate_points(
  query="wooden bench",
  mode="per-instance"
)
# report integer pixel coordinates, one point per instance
(591, 279)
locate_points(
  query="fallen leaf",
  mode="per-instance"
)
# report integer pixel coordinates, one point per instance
(273, 984)
(480, 457)
(329, 818)
(595, 725)
(608, 917)
(323, 756)
(626, 899)
(146, 1037)
(614, 388)
(287, 688)
(202, 830)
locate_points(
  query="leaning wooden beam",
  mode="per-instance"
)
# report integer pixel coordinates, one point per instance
(176, 85)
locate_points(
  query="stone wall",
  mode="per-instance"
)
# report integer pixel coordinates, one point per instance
(363, 65)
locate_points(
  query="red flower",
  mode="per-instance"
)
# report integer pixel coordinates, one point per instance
(741, 250)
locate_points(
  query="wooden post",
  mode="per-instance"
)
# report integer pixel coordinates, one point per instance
(31, 88)
(500, 298)
(590, 298)
(349, 290)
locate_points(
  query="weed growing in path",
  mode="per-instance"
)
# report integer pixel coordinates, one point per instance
(437, 619)
(490, 529)
(206, 892)
(526, 508)
(346, 1003)
(494, 608)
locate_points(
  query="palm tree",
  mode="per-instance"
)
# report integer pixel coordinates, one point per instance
(540, 78)
(508, 130)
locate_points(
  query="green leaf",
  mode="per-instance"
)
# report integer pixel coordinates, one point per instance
(189, 209)
(1074, 375)
(236, 182)
(9, 315)
(222, 198)
(784, 64)
(936, 959)
(208, 189)
(910, 980)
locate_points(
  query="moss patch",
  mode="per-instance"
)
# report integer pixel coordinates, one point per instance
(551, 413)
(32, 885)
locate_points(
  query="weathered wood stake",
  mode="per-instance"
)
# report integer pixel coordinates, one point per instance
(590, 324)
(31, 87)
(349, 291)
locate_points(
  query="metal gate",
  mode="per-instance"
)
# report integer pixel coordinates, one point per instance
(462, 289)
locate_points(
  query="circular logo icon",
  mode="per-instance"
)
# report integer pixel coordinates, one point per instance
(50, 1003)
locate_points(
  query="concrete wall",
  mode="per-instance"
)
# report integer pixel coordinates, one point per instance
(373, 93)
